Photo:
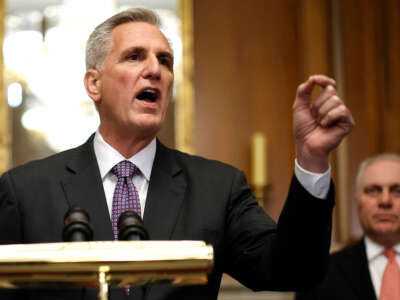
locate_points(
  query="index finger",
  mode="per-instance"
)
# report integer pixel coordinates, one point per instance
(322, 80)
(305, 89)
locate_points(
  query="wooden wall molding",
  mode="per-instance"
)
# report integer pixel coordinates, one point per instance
(5, 135)
(184, 108)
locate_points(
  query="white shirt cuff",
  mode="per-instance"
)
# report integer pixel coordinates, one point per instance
(317, 184)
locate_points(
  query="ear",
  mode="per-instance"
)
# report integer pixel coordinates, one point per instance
(93, 84)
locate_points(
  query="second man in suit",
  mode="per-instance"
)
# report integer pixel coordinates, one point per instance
(363, 271)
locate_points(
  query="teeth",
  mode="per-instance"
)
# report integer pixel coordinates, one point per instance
(150, 91)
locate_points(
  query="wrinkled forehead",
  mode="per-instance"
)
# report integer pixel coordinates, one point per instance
(385, 171)
(139, 34)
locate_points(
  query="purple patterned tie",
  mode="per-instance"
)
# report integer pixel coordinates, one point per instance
(125, 194)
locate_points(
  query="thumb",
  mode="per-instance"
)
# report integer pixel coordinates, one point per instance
(304, 91)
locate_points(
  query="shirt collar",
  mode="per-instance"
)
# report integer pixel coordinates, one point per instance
(107, 157)
(374, 249)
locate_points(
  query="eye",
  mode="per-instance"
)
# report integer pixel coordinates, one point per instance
(133, 56)
(395, 190)
(167, 61)
(373, 190)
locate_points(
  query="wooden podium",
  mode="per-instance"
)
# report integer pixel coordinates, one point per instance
(104, 264)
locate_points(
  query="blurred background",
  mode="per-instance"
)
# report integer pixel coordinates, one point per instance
(238, 64)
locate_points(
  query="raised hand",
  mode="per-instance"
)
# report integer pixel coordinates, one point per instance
(320, 125)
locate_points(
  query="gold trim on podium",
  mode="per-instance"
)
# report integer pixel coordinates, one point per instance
(103, 264)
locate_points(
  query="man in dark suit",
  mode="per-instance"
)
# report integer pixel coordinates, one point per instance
(129, 77)
(358, 272)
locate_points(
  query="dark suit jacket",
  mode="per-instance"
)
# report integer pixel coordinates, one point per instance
(347, 278)
(189, 198)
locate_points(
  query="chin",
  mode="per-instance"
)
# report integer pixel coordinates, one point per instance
(149, 129)
(387, 230)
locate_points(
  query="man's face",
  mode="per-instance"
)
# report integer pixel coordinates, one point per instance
(379, 201)
(136, 81)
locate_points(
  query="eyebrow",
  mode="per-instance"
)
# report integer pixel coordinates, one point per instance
(380, 186)
(165, 54)
(140, 49)
(131, 50)
(373, 185)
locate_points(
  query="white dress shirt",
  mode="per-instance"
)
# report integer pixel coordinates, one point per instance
(107, 157)
(377, 262)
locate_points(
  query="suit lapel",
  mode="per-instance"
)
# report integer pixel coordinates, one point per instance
(165, 195)
(84, 187)
(359, 276)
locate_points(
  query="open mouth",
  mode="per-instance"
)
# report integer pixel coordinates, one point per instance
(149, 95)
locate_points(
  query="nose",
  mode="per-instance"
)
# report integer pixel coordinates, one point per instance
(152, 68)
(385, 199)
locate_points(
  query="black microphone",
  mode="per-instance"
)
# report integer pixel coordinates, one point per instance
(76, 225)
(131, 228)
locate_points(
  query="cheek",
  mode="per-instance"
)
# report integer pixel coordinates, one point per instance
(169, 82)
(363, 217)
(397, 207)
(366, 210)
(124, 80)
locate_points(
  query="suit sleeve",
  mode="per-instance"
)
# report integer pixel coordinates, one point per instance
(290, 255)
(10, 218)
(10, 224)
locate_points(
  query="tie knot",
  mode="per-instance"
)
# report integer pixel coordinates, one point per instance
(389, 253)
(124, 169)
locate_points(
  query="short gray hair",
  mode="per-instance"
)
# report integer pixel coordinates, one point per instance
(369, 161)
(99, 43)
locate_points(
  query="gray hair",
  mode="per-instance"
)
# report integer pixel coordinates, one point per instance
(369, 161)
(99, 43)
